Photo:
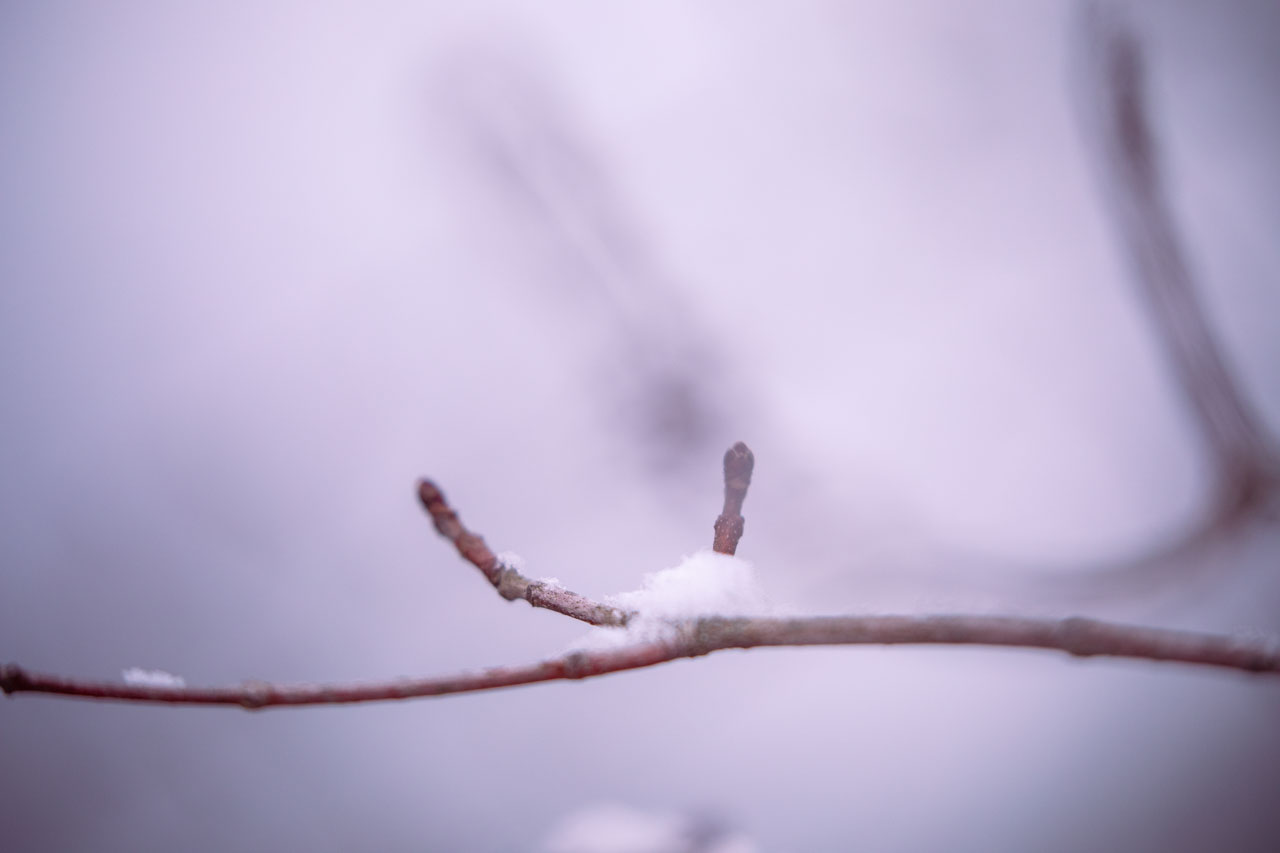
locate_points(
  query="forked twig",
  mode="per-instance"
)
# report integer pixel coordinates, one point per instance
(687, 638)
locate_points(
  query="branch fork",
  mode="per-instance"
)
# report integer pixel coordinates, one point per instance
(692, 638)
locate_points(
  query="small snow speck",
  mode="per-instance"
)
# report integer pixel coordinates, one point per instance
(152, 678)
(512, 560)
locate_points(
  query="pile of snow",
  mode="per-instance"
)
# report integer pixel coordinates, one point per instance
(704, 584)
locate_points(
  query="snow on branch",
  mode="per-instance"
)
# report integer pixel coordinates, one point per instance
(679, 601)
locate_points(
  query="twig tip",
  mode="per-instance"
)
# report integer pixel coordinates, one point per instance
(739, 461)
(429, 493)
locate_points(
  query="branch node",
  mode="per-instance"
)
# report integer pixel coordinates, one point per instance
(13, 678)
(512, 585)
(697, 638)
(1077, 636)
(255, 695)
(577, 665)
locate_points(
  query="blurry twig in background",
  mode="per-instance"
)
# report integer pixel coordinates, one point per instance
(665, 374)
(1240, 453)
(688, 638)
(1242, 458)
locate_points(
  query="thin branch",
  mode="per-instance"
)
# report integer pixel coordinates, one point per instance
(1075, 636)
(510, 583)
(1240, 450)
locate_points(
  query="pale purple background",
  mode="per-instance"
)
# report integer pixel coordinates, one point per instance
(264, 264)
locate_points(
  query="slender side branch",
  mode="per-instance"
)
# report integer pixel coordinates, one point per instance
(1075, 636)
(666, 372)
(509, 583)
(1239, 447)
(688, 638)
(739, 462)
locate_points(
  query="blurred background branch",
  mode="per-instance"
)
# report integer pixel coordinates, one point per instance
(1240, 452)
(661, 380)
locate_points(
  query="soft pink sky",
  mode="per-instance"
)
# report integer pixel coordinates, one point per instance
(265, 264)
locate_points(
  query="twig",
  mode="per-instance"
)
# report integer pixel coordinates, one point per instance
(739, 461)
(510, 583)
(1076, 636)
(1241, 452)
(688, 638)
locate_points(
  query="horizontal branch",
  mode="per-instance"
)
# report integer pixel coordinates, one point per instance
(1075, 636)
(687, 638)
